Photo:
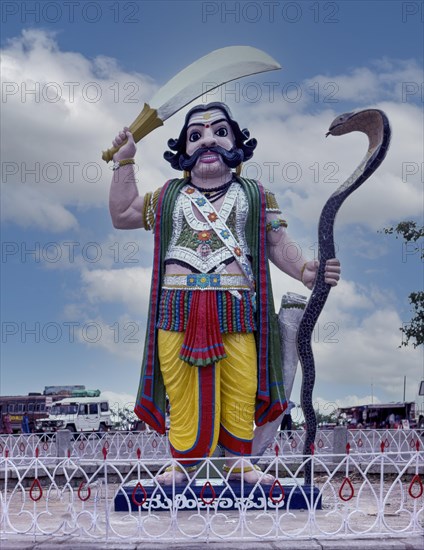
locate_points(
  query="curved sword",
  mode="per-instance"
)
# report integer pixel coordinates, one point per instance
(204, 75)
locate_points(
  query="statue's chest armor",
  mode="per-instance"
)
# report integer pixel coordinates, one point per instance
(195, 243)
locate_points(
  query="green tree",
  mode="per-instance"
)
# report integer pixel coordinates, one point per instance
(414, 330)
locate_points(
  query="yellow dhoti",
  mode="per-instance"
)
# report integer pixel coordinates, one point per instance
(213, 403)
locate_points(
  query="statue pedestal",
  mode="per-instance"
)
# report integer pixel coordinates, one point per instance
(215, 494)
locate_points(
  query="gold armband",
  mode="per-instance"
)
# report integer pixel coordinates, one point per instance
(146, 203)
(149, 209)
(122, 162)
(271, 203)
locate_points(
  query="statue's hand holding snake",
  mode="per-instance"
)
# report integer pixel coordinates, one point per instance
(331, 272)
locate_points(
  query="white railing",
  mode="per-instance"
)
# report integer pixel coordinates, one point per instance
(399, 441)
(123, 445)
(56, 496)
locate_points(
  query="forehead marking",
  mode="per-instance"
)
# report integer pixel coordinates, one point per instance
(210, 116)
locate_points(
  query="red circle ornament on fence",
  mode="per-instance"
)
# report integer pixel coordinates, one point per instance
(207, 487)
(37, 452)
(137, 502)
(312, 447)
(277, 449)
(138, 453)
(35, 486)
(276, 485)
(346, 484)
(416, 485)
(87, 489)
(348, 448)
(104, 451)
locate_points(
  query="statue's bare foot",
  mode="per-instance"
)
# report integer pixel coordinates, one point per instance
(173, 474)
(256, 475)
(251, 474)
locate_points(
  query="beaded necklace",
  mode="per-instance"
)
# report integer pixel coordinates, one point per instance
(216, 193)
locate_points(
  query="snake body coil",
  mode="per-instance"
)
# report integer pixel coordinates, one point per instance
(374, 123)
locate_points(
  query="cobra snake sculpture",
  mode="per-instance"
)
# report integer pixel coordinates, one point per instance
(375, 124)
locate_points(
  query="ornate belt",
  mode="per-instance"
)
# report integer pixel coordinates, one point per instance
(206, 281)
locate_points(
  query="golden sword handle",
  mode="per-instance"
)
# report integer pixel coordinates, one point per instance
(146, 122)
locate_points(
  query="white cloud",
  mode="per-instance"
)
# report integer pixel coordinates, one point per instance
(63, 127)
(304, 169)
(126, 286)
(55, 135)
(30, 208)
(356, 343)
(385, 79)
(358, 354)
(293, 159)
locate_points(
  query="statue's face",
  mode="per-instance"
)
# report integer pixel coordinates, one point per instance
(204, 130)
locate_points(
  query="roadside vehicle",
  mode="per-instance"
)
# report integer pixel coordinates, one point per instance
(77, 414)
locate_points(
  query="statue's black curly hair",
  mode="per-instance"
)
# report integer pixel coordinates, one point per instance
(179, 145)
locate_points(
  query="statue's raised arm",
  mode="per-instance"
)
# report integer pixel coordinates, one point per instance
(125, 204)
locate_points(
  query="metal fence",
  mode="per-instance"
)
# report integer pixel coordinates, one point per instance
(370, 495)
(123, 445)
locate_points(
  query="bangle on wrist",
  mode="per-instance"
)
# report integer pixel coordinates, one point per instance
(117, 164)
(302, 271)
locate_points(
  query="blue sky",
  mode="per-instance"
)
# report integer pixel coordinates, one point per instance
(73, 312)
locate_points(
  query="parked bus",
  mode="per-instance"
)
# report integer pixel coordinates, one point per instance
(36, 405)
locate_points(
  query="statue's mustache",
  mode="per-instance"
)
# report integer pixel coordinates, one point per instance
(232, 158)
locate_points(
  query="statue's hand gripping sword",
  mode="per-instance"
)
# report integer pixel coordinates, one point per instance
(204, 75)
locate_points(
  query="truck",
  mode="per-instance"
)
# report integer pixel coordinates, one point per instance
(77, 414)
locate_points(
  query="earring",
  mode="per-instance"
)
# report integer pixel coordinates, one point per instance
(186, 174)
(238, 169)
